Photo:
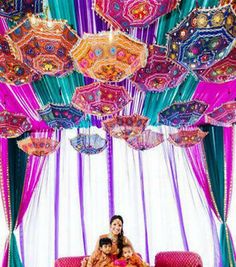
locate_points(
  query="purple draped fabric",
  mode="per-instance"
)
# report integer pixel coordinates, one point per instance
(168, 151)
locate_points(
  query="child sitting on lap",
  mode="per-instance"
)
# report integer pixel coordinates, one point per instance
(129, 258)
(102, 257)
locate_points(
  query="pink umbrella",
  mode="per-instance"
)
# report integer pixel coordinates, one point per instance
(222, 71)
(146, 140)
(139, 13)
(125, 126)
(100, 99)
(224, 116)
(13, 125)
(160, 73)
(187, 138)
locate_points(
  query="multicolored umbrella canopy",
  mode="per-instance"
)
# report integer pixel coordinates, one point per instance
(13, 71)
(187, 138)
(140, 13)
(146, 140)
(125, 126)
(38, 146)
(224, 116)
(109, 56)
(89, 144)
(160, 72)
(15, 9)
(203, 38)
(13, 125)
(43, 45)
(182, 114)
(100, 99)
(61, 116)
(222, 71)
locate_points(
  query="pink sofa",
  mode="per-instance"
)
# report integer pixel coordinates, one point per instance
(178, 259)
(69, 261)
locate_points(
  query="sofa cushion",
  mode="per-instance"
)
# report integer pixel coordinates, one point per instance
(178, 259)
(69, 261)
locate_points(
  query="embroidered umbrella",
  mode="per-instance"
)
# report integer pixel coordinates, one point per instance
(125, 126)
(146, 140)
(43, 45)
(13, 125)
(203, 38)
(109, 56)
(187, 138)
(89, 144)
(38, 146)
(140, 13)
(13, 71)
(61, 116)
(222, 71)
(15, 9)
(182, 114)
(224, 116)
(160, 73)
(100, 99)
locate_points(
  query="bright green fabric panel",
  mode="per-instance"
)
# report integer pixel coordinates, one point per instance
(226, 247)
(214, 153)
(14, 260)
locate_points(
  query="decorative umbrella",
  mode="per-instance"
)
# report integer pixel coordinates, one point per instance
(15, 9)
(182, 114)
(146, 140)
(203, 38)
(160, 72)
(38, 146)
(187, 138)
(61, 116)
(109, 56)
(125, 126)
(43, 45)
(13, 71)
(222, 71)
(89, 144)
(100, 99)
(224, 116)
(140, 13)
(13, 125)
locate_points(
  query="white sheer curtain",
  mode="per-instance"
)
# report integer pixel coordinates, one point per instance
(87, 203)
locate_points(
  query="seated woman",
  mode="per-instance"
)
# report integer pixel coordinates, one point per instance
(116, 235)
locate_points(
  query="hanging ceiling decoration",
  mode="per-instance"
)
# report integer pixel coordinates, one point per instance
(125, 126)
(160, 72)
(182, 114)
(109, 56)
(187, 138)
(100, 99)
(43, 45)
(140, 13)
(13, 71)
(222, 71)
(89, 144)
(146, 140)
(38, 146)
(13, 125)
(61, 116)
(15, 9)
(203, 38)
(224, 116)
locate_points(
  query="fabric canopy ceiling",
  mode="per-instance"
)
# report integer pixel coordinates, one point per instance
(80, 16)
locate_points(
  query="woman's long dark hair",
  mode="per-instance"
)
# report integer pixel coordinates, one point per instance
(120, 242)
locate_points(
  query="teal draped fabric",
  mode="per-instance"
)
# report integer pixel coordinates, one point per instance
(216, 166)
(155, 102)
(17, 161)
